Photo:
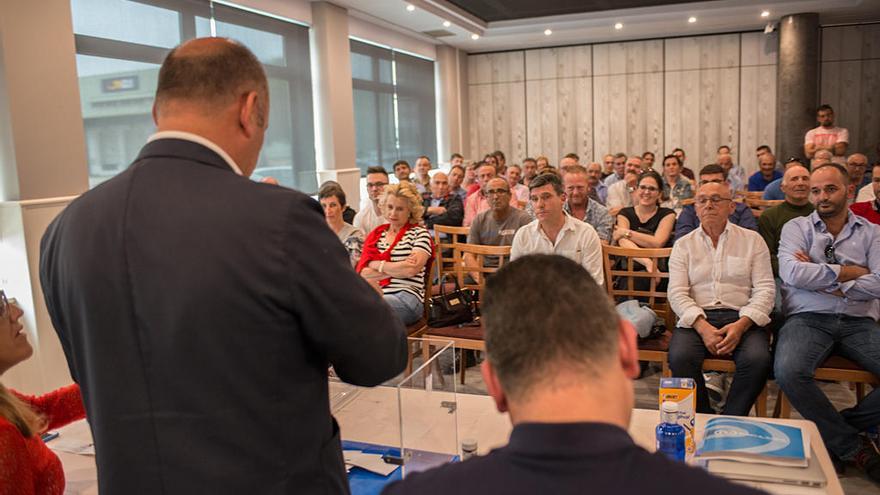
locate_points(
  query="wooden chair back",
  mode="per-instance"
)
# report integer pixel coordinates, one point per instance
(759, 205)
(443, 248)
(480, 252)
(656, 298)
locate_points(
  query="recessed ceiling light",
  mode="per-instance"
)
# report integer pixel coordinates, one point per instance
(619, 25)
(547, 32)
(692, 19)
(410, 7)
(765, 13)
(475, 36)
(446, 23)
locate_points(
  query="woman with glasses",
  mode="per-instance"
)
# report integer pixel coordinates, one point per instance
(27, 466)
(647, 224)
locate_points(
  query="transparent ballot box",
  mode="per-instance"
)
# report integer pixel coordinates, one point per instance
(405, 425)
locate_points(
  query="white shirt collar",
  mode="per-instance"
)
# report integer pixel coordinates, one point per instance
(195, 138)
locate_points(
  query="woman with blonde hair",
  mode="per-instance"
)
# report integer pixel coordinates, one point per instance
(396, 254)
(27, 466)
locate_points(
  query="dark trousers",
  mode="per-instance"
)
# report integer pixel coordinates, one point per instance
(805, 341)
(752, 357)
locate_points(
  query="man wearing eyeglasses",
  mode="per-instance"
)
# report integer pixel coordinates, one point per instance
(688, 220)
(478, 202)
(371, 216)
(721, 287)
(497, 225)
(829, 263)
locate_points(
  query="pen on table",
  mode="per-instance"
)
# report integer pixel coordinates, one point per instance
(49, 435)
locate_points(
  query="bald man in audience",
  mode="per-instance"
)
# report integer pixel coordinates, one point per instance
(829, 263)
(497, 225)
(563, 370)
(200, 310)
(773, 191)
(735, 174)
(766, 173)
(688, 220)
(579, 205)
(721, 287)
(857, 166)
(442, 207)
(796, 187)
(870, 209)
(477, 202)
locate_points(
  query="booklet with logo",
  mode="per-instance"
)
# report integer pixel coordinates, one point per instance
(747, 440)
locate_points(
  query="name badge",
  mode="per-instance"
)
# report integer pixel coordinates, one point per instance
(507, 232)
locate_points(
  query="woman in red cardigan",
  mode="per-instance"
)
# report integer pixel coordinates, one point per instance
(27, 466)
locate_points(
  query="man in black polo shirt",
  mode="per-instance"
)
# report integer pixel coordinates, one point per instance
(563, 370)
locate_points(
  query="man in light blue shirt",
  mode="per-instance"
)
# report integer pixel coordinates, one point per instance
(829, 263)
(773, 191)
(619, 170)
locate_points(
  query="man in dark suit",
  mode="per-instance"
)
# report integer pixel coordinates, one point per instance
(441, 207)
(563, 370)
(193, 311)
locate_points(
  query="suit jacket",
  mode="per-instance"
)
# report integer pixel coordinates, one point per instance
(567, 458)
(454, 211)
(195, 317)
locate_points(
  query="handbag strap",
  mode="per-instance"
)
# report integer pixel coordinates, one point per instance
(443, 284)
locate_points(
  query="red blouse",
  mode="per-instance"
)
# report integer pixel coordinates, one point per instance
(27, 466)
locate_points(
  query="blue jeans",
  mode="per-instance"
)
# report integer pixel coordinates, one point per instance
(752, 357)
(407, 306)
(805, 341)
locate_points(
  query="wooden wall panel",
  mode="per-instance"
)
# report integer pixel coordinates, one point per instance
(850, 82)
(757, 109)
(497, 104)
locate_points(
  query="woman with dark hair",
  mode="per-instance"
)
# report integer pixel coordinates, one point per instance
(676, 187)
(27, 466)
(647, 224)
(332, 199)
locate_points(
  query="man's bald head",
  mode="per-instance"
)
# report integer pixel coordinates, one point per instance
(210, 72)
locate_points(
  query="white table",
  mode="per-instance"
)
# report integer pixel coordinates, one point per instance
(372, 416)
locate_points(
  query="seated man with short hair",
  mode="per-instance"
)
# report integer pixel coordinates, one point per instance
(497, 225)
(442, 207)
(688, 220)
(579, 204)
(564, 371)
(829, 263)
(721, 287)
(555, 232)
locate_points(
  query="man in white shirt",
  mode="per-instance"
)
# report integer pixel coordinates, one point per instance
(371, 215)
(826, 136)
(721, 287)
(554, 232)
(519, 191)
(620, 193)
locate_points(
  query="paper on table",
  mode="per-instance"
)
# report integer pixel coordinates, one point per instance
(72, 445)
(370, 462)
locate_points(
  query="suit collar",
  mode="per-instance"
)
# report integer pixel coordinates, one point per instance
(190, 145)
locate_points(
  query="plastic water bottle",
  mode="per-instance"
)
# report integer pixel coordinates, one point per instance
(670, 434)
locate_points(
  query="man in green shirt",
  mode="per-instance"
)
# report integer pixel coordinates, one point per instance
(796, 186)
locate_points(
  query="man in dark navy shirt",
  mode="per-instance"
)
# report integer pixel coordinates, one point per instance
(563, 370)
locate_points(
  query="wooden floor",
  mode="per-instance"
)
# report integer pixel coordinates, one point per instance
(853, 482)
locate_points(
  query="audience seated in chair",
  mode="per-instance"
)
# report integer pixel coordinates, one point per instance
(598, 189)
(579, 204)
(477, 201)
(442, 207)
(332, 199)
(621, 193)
(773, 191)
(870, 209)
(688, 220)
(563, 370)
(371, 216)
(766, 173)
(396, 254)
(27, 466)
(735, 174)
(676, 187)
(456, 179)
(555, 232)
(647, 224)
(519, 191)
(829, 263)
(721, 287)
(796, 186)
(497, 225)
(618, 170)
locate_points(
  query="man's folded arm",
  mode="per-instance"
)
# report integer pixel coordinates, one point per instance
(800, 274)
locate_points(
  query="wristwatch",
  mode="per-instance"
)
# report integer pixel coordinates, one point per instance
(627, 233)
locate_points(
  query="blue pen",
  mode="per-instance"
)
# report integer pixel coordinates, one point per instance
(50, 435)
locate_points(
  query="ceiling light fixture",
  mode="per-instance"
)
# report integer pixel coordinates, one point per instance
(547, 32)
(692, 19)
(765, 13)
(619, 25)
(410, 7)
(446, 23)
(475, 36)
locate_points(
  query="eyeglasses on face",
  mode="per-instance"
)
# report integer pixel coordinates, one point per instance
(648, 188)
(704, 200)
(497, 191)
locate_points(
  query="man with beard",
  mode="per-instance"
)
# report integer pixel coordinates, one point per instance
(579, 205)
(598, 189)
(829, 263)
(826, 136)
(529, 170)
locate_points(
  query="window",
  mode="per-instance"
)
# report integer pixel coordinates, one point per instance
(394, 110)
(120, 47)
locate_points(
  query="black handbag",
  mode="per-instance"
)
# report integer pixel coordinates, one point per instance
(454, 308)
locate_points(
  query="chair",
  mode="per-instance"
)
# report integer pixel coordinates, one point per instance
(652, 349)
(759, 205)
(835, 368)
(443, 247)
(419, 327)
(727, 365)
(467, 337)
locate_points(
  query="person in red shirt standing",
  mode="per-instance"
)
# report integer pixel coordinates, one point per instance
(870, 210)
(27, 466)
